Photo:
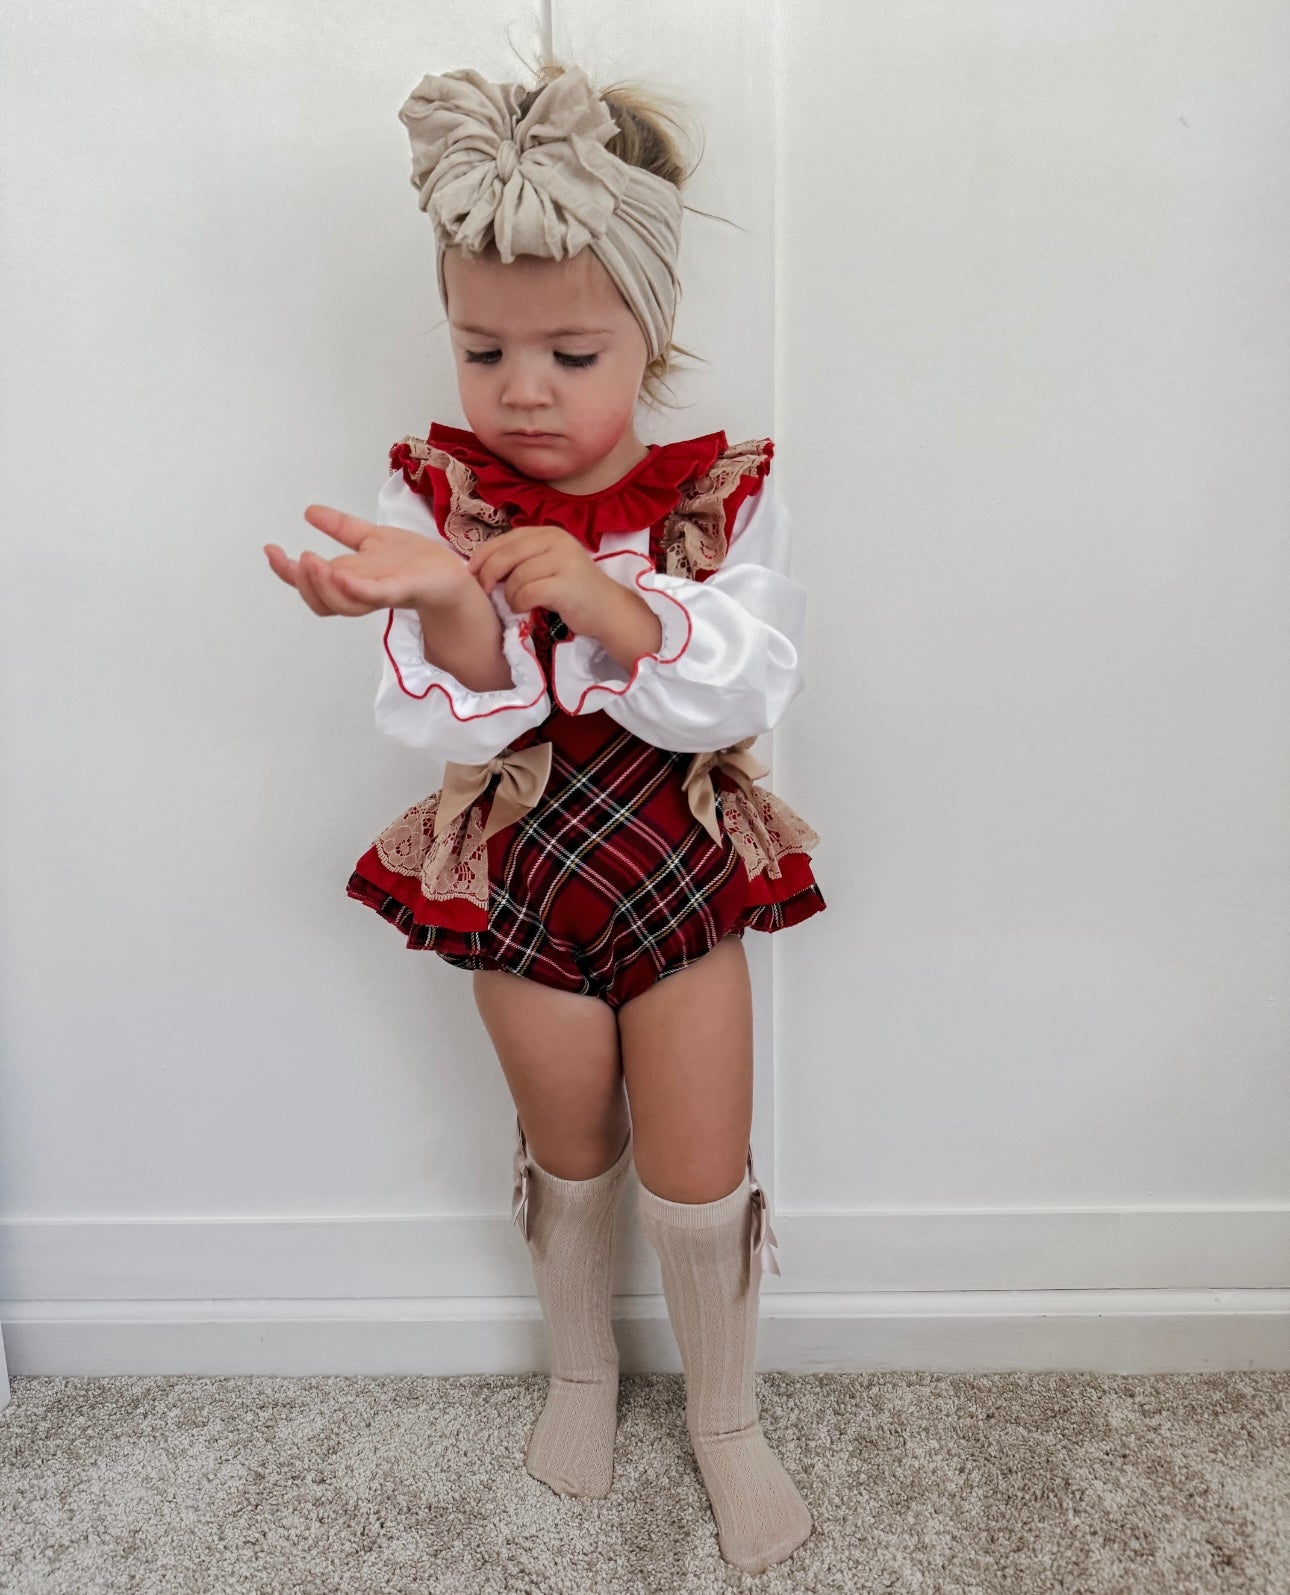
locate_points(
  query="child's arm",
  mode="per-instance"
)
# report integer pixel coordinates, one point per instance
(421, 701)
(464, 638)
(628, 628)
(732, 655)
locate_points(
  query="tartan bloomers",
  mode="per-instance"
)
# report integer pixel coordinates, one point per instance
(606, 884)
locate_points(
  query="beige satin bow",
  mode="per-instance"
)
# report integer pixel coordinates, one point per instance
(763, 1243)
(699, 787)
(520, 1188)
(524, 777)
(543, 183)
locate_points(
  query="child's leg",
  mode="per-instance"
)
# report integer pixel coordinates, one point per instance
(559, 1052)
(687, 1060)
(561, 1058)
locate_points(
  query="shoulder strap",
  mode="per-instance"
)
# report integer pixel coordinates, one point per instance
(695, 538)
(460, 514)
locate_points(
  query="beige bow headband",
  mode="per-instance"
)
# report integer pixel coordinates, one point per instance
(543, 184)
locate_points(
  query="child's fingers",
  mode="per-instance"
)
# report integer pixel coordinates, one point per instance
(359, 586)
(283, 568)
(347, 529)
(334, 596)
(494, 560)
(497, 565)
(327, 591)
(504, 545)
(528, 568)
(359, 594)
(308, 588)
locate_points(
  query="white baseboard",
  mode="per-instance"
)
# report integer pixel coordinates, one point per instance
(1132, 1291)
(952, 1332)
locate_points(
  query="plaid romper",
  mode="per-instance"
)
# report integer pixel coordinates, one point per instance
(609, 881)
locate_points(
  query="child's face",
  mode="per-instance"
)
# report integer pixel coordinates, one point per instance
(547, 346)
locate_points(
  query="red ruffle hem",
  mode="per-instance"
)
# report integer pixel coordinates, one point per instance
(615, 814)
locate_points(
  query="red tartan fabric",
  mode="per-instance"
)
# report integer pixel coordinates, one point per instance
(609, 883)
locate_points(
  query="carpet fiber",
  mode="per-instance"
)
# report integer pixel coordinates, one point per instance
(940, 1484)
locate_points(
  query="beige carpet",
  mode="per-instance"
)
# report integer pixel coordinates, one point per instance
(1169, 1484)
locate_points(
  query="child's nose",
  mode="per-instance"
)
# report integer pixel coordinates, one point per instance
(525, 385)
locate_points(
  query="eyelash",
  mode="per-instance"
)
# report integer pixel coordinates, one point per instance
(488, 357)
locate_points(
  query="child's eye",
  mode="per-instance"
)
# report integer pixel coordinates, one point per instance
(490, 357)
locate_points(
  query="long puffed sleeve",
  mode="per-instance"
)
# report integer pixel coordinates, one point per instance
(423, 706)
(732, 657)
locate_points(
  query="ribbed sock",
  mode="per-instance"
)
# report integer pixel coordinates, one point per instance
(570, 1239)
(712, 1298)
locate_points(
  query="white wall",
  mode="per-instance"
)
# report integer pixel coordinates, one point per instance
(228, 292)
(1033, 394)
(1012, 312)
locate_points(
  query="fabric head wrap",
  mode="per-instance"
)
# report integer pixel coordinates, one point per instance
(543, 184)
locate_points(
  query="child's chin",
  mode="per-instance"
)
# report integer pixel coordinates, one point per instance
(537, 459)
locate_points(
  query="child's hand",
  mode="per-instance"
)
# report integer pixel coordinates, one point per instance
(389, 568)
(543, 567)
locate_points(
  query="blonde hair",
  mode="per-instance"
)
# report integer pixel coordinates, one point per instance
(651, 134)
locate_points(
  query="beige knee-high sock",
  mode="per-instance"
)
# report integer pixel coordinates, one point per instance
(712, 1293)
(570, 1234)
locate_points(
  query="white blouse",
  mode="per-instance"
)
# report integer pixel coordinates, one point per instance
(731, 660)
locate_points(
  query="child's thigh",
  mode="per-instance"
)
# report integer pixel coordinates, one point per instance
(687, 1057)
(560, 1054)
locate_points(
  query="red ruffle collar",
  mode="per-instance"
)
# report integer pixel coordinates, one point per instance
(647, 492)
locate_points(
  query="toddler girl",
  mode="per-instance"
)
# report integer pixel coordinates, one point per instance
(592, 632)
